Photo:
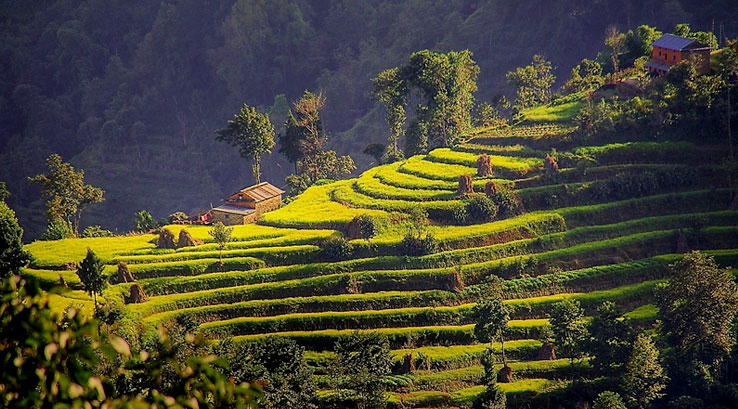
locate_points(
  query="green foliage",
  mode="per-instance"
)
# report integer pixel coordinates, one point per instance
(585, 76)
(367, 226)
(65, 192)
(143, 221)
(12, 255)
(90, 273)
(362, 363)
(481, 209)
(58, 229)
(96, 231)
(608, 400)
(532, 83)
(697, 308)
(177, 217)
(376, 151)
(568, 329)
(336, 248)
(644, 378)
(253, 134)
(508, 202)
(221, 235)
(611, 339)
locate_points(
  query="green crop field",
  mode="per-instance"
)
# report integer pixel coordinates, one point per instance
(588, 233)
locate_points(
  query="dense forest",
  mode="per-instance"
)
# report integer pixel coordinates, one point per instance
(133, 92)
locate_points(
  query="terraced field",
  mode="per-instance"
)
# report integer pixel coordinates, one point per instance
(583, 235)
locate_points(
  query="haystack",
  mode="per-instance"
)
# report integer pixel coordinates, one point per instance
(166, 240)
(123, 275)
(186, 240)
(484, 166)
(137, 295)
(550, 165)
(466, 187)
(490, 188)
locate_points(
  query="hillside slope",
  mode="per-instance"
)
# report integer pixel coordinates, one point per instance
(604, 227)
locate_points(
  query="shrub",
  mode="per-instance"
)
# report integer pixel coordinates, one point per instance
(166, 240)
(336, 248)
(96, 231)
(484, 166)
(143, 221)
(58, 229)
(490, 188)
(466, 186)
(481, 209)
(178, 217)
(630, 185)
(459, 215)
(508, 202)
(412, 245)
(363, 226)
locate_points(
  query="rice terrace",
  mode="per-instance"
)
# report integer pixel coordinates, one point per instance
(570, 245)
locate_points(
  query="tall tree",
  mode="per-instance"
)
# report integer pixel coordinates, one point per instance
(290, 142)
(698, 308)
(12, 255)
(568, 329)
(532, 83)
(492, 397)
(90, 273)
(65, 192)
(644, 378)
(615, 41)
(492, 316)
(364, 360)
(611, 339)
(253, 133)
(390, 89)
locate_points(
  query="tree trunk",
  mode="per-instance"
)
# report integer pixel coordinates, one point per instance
(256, 168)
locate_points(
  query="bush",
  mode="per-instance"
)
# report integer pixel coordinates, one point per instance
(143, 221)
(508, 203)
(336, 248)
(629, 185)
(178, 217)
(96, 231)
(58, 229)
(412, 245)
(459, 215)
(481, 209)
(363, 226)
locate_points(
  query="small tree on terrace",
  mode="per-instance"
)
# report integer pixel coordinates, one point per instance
(533, 83)
(221, 235)
(568, 329)
(363, 360)
(367, 226)
(90, 274)
(492, 316)
(253, 134)
(644, 377)
(143, 221)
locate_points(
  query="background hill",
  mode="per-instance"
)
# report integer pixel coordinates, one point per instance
(132, 91)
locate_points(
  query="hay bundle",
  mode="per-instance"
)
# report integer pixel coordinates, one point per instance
(466, 187)
(166, 240)
(547, 352)
(137, 295)
(484, 166)
(408, 364)
(457, 284)
(504, 375)
(123, 275)
(550, 165)
(490, 188)
(186, 240)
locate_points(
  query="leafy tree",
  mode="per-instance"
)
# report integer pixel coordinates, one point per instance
(278, 364)
(532, 83)
(297, 184)
(416, 140)
(611, 339)
(221, 235)
(291, 141)
(481, 209)
(615, 41)
(568, 329)
(90, 273)
(253, 133)
(177, 217)
(644, 378)
(363, 360)
(65, 192)
(491, 317)
(143, 221)
(12, 255)
(608, 400)
(697, 308)
(376, 151)
(336, 248)
(492, 397)
(585, 76)
(390, 89)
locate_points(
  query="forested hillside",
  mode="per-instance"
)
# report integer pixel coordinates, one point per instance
(133, 91)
